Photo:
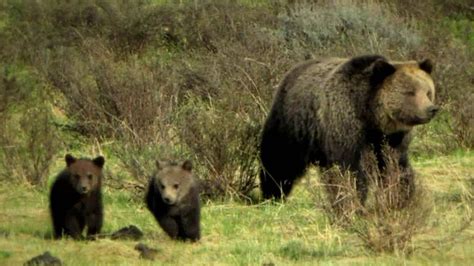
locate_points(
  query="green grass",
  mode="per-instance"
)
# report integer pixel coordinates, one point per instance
(294, 232)
(234, 233)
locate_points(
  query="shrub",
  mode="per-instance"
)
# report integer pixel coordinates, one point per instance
(108, 97)
(28, 139)
(453, 59)
(390, 218)
(224, 144)
(348, 27)
(224, 99)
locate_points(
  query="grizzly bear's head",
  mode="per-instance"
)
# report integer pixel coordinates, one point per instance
(85, 175)
(404, 96)
(173, 181)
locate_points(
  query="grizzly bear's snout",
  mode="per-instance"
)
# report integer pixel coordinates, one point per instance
(426, 116)
(83, 190)
(169, 199)
(432, 111)
(83, 185)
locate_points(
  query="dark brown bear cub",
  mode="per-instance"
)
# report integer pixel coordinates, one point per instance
(173, 198)
(76, 199)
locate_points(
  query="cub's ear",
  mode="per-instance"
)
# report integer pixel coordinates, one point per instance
(426, 65)
(99, 161)
(187, 165)
(380, 70)
(159, 164)
(69, 159)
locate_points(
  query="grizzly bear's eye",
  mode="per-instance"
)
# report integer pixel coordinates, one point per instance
(77, 176)
(409, 93)
(175, 186)
(89, 176)
(162, 186)
(429, 94)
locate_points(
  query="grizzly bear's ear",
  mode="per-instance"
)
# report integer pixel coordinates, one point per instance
(426, 65)
(187, 165)
(69, 159)
(380, 70)
(99, 161)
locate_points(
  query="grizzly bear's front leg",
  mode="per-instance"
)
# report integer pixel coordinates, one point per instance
(407, 180)
(94, 224)
(74, 225)
(169, 225)
(362, 186)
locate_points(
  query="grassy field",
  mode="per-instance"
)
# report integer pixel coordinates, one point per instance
(137, 81)
(294, 232)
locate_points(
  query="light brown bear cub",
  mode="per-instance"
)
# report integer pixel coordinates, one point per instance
(173, 198)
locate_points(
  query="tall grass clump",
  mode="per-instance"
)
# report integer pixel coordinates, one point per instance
(394, 213)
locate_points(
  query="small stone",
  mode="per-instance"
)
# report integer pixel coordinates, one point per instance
(131, 232)
(44, 260)
(146, 252)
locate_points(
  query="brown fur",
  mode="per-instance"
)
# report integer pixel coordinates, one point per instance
(409, 91)
(173, 199)
(76, 199)
(329, 111)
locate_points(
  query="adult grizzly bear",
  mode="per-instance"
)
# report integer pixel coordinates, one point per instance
(173, 199)
(76, 199)
(330, 111)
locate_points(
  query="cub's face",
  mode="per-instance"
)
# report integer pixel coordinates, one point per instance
(407, 97)
(173, 181)
(85, 175)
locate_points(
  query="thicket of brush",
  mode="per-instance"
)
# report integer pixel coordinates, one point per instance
(195, 79)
